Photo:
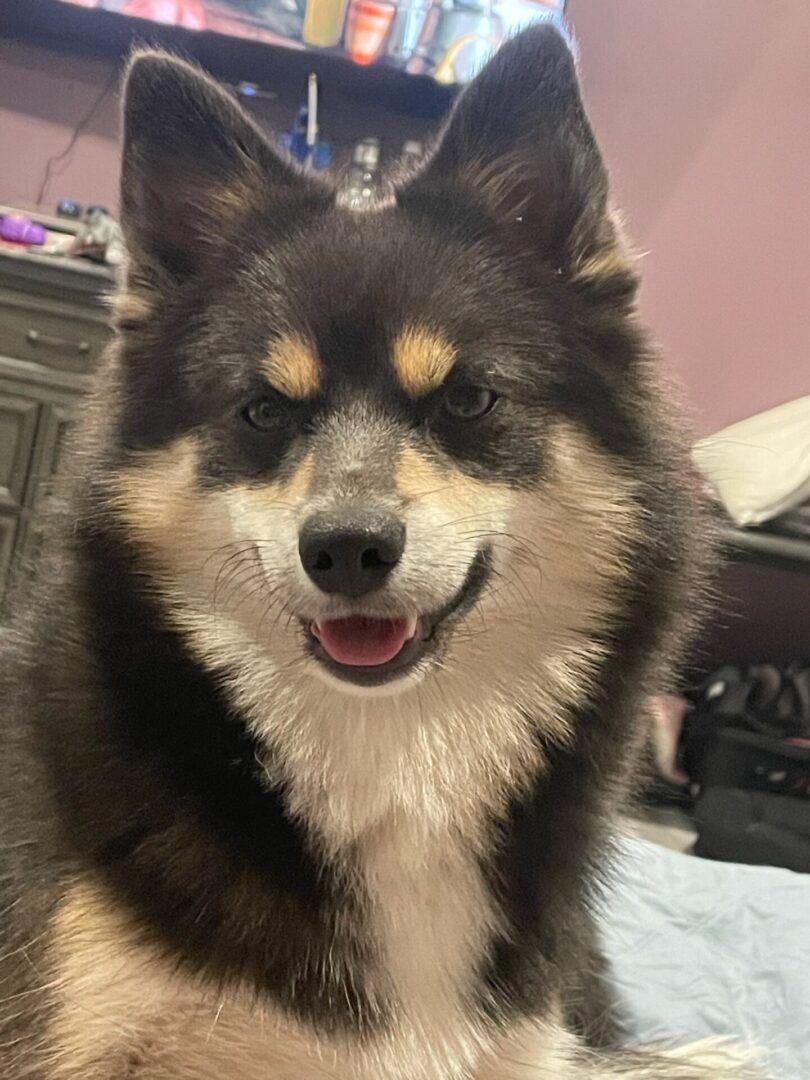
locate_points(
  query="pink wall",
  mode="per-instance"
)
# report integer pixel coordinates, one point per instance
(701, 108)
(43, 95)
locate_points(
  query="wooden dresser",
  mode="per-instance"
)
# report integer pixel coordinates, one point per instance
(53, 328)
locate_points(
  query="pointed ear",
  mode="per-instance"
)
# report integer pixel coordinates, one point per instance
(519, 147)
(195, 168)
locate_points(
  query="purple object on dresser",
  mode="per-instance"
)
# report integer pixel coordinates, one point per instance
(21, 230)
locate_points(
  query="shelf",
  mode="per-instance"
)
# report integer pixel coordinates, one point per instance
(94, 32)
(768, 549)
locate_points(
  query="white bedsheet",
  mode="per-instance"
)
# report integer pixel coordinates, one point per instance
(702, 948)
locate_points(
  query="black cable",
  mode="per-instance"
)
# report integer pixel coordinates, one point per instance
(66, 154)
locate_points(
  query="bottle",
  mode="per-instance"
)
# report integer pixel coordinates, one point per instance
(367, 28)
(323, 22)
(407, 28)
(364, 174)
(411, 156)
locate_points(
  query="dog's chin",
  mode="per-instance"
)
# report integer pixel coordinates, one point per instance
(374, 656)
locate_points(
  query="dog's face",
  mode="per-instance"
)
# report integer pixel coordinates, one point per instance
(377, 447)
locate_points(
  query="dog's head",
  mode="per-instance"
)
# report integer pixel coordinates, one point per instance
(389, 446)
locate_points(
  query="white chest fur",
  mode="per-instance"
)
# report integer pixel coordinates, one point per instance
(432, 918)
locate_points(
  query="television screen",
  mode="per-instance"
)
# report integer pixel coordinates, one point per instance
(448, 39)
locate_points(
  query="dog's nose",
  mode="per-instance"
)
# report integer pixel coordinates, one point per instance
(351, 554)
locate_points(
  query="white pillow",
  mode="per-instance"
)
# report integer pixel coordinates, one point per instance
(760, 467)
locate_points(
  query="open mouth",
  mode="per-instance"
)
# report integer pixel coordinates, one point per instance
(370, 651)
(360, 641)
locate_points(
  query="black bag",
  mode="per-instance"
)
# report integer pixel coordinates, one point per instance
(751, 827)
(750, 728)
(746, 750)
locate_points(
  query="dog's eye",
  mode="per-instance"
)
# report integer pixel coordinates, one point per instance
(261, 414)
(469, 402)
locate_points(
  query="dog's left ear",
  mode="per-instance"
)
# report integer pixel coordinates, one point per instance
(196, 170)
(519, 147)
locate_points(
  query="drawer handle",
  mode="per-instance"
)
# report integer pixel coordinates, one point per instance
(35, 338)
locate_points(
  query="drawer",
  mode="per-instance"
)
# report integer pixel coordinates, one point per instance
(57, 419)
(19, 417)
(51, 334)
(8, 536)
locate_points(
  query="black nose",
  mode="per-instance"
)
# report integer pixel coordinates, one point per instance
(351, 554)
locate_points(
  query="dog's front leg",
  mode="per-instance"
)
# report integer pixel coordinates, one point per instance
(544, 1052)
(532, 1051)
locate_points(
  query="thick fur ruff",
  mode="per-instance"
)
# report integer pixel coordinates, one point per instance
(229, 852)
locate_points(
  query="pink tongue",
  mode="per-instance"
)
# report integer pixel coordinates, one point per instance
(362, 642)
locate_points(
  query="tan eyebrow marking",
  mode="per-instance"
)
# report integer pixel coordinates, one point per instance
(292, 367)
(423, 358)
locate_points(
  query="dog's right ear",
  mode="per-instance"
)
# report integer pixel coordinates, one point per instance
(196, 170)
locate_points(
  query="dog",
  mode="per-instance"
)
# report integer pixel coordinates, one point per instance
(375, 535)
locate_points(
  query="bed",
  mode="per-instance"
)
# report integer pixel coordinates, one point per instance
(701, 948)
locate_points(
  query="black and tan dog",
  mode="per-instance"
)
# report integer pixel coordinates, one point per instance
(377, 535)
